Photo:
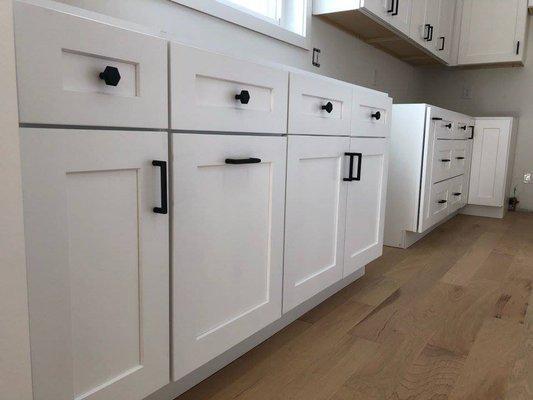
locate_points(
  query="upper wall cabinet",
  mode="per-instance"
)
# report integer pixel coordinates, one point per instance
(493, 31)
(422, 31)
(82, 72)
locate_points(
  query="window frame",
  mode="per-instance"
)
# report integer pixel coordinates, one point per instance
(256, 22)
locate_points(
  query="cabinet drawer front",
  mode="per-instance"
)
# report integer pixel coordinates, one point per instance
(97, 262)
(436, 206)
(450, 158)
(211, 92)
(315, 216)
(319, 106)
(227, 246)
(75, 71)
(458, 195)
(444, 128)
(463, 129)
(371, 113)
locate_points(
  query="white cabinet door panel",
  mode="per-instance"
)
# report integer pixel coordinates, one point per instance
(227, 242)
(59, 61)
(491, 30)
(212, 92)
(315, 216)
(489, 162)
(97, 259)
(365, 204)
(319, 106)
(371, 115)
(436, 206)
(458, 194)
(395, 12)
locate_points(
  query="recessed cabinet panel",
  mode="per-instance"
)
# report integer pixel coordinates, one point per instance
(227, 246)
(212, 92)
(315, 216)
(395, 12)
(74, 71)
(457, 194)
(492, 31)
(436, 205)
(97, 260)
(318, 105)
(365, 204)
(371, 113)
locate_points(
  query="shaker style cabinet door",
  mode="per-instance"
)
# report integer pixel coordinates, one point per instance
(396, 12)
(492, 31)
(97, 259)
(227, 242)
(490, 156)
(315, 216)
(365, 205)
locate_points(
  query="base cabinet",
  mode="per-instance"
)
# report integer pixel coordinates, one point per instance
(315, 216)
(365, 204)
(228, 196)
(97, 260)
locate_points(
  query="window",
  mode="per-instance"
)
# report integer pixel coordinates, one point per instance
(286, 20)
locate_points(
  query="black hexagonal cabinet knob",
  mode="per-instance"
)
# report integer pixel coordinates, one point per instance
(328, 107)
(243, 96)
(111, 76)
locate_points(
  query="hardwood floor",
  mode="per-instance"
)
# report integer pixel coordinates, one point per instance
(449, 318)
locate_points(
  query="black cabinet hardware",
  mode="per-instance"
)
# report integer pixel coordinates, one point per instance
(457, 194)
(436, 119)
(441, 48)
(111, 76)
(446, 160)
(518, 47)
(239, 161)
(463, 127)
(397, 8)
(328, 107)
(164, 205)
(459, 158)
(449, 126)
(442, 201)
(472, 127)
(350, 169)
(430, 33)
(376, 115)
(426, 31)
(391, 9)
(243, 97)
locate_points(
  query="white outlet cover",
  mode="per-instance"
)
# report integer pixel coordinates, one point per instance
(527, 177)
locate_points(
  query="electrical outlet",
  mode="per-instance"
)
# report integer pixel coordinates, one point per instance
(467, 93)
(527, 177)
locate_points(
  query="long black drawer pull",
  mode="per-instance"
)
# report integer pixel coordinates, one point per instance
(441, 48)
(164, 192)
(472, 132)
(459, 158)
(457, 194)
(359, 165)
(430, 33)
(446, 160)
(427, 28)
(436, 119)
(391, 9)
(397, 8)
(239, 161)
(442, 201)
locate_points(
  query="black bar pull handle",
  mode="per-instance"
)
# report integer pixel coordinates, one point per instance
(446, 160)
(391, 9)
(457, 194)
(441, 48)
(430, 33)
(442, 201)
(459, 158)
(397, 8)
(240, 161)
(359, 166)
(164, 192)
(436, 119)
(472, 133)
(518, 48)
(426, 31)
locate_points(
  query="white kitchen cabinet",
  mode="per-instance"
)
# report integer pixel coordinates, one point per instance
(443, 39)
(228, 197)
(492, 164)
(73, 70)
(397, 13)
(366, 200)
(429, 162)
(424, 22)
(492, 31)
(315, 216)
(319, 105)
(97, 260)
(213, 92)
